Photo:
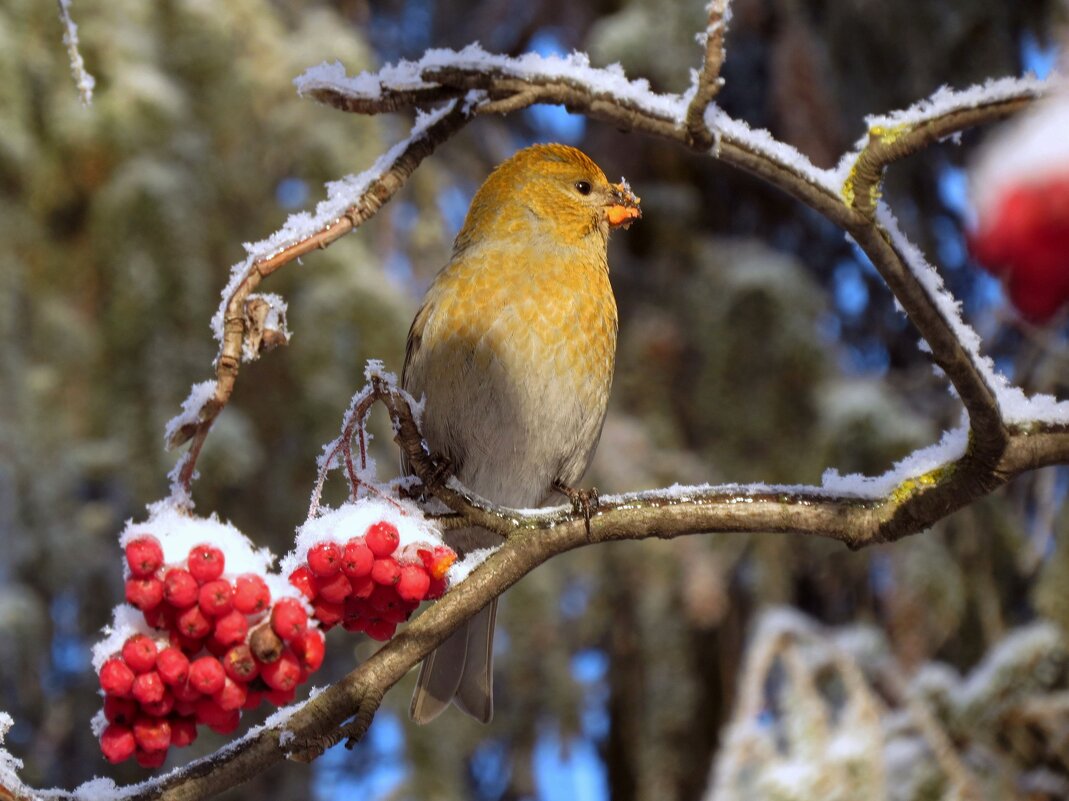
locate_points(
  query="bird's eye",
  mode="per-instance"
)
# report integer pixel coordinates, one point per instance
(582, 187)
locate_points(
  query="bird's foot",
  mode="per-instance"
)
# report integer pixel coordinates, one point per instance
(440, 472)
(584, 501)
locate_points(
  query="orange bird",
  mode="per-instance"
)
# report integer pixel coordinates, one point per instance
(513, 351)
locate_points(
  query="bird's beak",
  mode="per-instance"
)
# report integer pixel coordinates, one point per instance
(623, 207)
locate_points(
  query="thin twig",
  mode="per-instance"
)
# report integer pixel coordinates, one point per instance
(708, 80)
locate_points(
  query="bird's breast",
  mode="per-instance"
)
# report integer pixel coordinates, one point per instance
(516, 361)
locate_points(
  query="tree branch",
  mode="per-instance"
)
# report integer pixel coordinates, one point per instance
(707, 81)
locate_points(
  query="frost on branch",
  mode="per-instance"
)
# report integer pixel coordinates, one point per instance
(829, 714)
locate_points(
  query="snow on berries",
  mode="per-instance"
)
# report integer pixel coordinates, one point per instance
(367, 566)
(1020, 190)
(208, 630)
(183, 653)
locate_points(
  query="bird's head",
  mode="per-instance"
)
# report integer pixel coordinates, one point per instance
(553, 192)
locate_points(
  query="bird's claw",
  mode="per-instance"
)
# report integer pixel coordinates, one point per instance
(584, 501)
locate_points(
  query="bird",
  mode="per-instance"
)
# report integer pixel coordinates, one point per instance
(513, 351)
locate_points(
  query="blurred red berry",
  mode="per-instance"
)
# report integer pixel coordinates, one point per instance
(386, 571)
(1024, 241)
(216, 597)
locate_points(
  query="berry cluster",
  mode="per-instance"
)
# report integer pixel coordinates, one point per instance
(223, 647)
(370, 583)
(1025, 242)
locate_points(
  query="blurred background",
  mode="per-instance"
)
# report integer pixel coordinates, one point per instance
(756, 344)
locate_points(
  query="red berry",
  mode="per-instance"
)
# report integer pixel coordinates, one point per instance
(327, 614)
(281, 697)
(206, 563)
(173, 666)
(232, 696)
(334, 589)
(251, 594)
(362, 587)
(253, 699)
(183, 731)
(356, 558)
(310, 649)
(239, 663)
(354, 624)
(144, 555)
(120, 710)
(227, 722)
(161, 708)
(148, 687)
(139, 653)
(152, 734)
(414, 583)
(118, 743)
(189, 645)
(282, 674)
(386, 571)
(116, 678)
(304, 580)
(144, 593)
(437, 589)
(186, 709)
(382, 538)
(220, 720)
(216, 597)
(179, 588)
(231, 628)
(185, 693)
(160, 617)
(384, 598)
(288, 618)
(150, 760)
(382, 630)
(193, 623)
(206, 675)
(324, 559)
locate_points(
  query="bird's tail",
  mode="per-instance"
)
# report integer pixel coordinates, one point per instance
(460, 670)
